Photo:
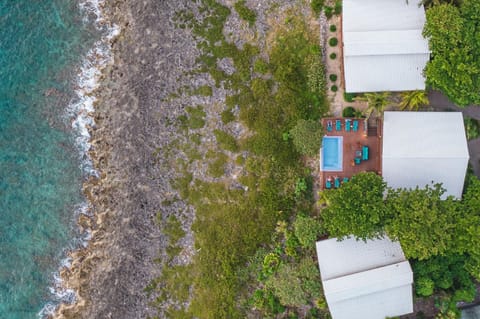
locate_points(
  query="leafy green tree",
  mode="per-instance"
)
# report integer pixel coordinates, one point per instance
(423, 222)
(356, 208)
(413, 100)
(307, 136)
(455, 64)
(376, 102)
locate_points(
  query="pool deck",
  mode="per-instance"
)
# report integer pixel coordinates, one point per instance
(367, 135)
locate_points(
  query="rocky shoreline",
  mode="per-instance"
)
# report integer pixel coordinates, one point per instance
(133, 122)
(140, 98)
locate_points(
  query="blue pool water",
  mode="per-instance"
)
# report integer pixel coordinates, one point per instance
(42, 44)
(332, 154)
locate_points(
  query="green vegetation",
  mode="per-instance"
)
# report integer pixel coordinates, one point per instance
(245, 12)
(439, 235)
(333, 28)
(227, 116)
(472, 128)
(306, 229)
(349, 111)
(332, 77)
(376, 102)
(236, 252)
(333, 55)
(217, 167)
(307, 136)
(226, 141)
(334, 88)
(349, 97)
(337, 9)
(203, 90)
(413, 100)
(195, 118)
(452, 33)
(333, 42)
(317, 6)
(328, 12)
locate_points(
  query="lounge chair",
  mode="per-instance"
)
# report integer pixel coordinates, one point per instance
(347, 125)
(337, 182)
(364, 153)
(355, 125)
(338, 125)
(329, 126)
(345, 179)
(328, 184)
(358, 160)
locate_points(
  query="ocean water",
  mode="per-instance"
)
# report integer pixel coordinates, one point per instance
(43, 45)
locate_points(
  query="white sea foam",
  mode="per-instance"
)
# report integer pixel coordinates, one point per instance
(80, 111)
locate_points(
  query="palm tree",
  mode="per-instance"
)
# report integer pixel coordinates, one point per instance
(413, 100)
(376, 102)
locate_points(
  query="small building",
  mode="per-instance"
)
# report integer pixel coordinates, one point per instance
(383, 46)
(424, 147)
(365, 280)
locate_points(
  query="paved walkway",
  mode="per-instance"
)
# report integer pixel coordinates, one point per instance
(439, 102)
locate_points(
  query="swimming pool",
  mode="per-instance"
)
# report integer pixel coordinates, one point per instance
(331, 157)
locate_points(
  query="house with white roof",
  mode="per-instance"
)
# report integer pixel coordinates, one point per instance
(365, 280)
(421, 148)
(383, 46)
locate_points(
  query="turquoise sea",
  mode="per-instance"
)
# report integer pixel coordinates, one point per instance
(42, 45)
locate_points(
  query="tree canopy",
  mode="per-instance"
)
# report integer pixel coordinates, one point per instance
(452, 33)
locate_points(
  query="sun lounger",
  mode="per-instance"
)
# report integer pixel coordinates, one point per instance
(355, 125)
(357, 160)
(337, 182)
(329, 126)
(347, 125)
(328, 184)
(338, 125)
(364, 153)
(345, 179)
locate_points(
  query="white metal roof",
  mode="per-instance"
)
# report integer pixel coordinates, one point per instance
(365, 280)
(424, 147)
(383, 46)
(349, 256)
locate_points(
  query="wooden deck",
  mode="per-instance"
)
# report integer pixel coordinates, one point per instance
(369, 134)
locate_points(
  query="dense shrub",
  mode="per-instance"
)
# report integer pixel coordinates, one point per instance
(349, 111)
(333, 28)
(332, 77)
(328, 12)
(348, 97)
(245, 12)
(333, 56)
(317, 6)
(307, 230)
(338, 7)
(334, 88)
(260, 66)
(306, 137)
(333, 42)
(424, 287)
(472, 128)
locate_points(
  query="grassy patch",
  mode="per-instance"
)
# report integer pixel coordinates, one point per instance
(196, 117)
(217, 167)
(203, 90)
(227, 116)
(472, 128)
(245, 12)
(226, 141)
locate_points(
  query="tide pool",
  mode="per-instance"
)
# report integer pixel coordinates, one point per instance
(42, 44)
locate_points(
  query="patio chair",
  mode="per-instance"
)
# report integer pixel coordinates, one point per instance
(328, 184)
(345, 179)
(355, 125)
(365, 153)
(338, 125)
(347, 125)
(337, 182)
(358, 160)
(329, 126)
